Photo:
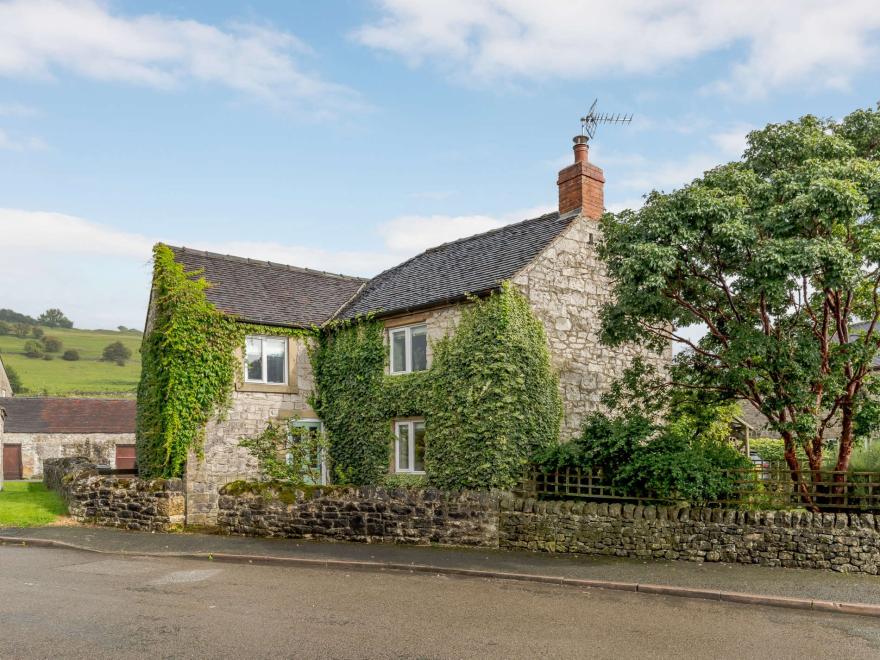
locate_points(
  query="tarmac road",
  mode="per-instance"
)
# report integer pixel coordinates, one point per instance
(62, 603)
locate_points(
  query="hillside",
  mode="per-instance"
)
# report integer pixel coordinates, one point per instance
(86, 377)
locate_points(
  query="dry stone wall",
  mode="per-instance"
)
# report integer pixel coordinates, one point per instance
(795, 539)
(366, 514)
(125, 502)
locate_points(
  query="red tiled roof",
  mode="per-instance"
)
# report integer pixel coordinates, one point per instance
(57, 415)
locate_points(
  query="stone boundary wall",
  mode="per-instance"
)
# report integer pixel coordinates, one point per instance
(364, 514)
(838, 541)
(110, 501)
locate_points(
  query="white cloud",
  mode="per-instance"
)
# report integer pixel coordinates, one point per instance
(20, 144)
(39, 38)
(100, 275)
(17, 110)
(786, 42)
(732, 141)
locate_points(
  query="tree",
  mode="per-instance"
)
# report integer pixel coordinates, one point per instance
(6, 328)
(52, 344)
(54, 318)
(11, 316)
(22, 330)
(33, 349)
(37, 332)
(71, 355)
(116, 352)
(778, 256)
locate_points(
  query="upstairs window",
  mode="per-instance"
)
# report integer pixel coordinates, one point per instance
(265, 360)
(409, 446)
(409, 349)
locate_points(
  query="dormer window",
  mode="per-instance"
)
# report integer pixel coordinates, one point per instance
(265, 360)
(409, 348)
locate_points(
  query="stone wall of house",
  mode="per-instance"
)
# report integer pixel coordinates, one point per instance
(567, 286)
(224, 460)
(36, 448)
(841, 542)
(126, 502)
(5, 386)
(365, 514)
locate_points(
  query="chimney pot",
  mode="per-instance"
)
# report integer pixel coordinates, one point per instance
(581, 185)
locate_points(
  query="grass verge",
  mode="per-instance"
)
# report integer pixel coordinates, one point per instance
(29, 504)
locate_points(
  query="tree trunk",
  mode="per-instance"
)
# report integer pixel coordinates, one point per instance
(844, 451)
(800, 485)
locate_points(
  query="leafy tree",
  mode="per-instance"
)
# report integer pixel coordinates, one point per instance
(33, 349)
(778, 256)
(6, 328)
(71, 355)
(11, 316)
(52, 344)
(54, 318)
(116, 352)
(22, 330)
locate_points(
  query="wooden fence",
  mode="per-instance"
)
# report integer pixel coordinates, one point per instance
(762, 487)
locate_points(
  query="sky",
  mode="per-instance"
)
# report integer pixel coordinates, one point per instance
(347, 136)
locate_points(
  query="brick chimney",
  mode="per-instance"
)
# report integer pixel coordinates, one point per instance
(581, 185)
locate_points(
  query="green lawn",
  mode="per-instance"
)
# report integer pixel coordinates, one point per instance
(29, 504)
(88, 376)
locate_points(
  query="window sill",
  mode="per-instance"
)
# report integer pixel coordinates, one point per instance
(267, 387)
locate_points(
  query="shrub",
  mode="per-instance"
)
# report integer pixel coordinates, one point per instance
(866, 459)
(52, 344)
(6, 328)
(652, 446)
(37, 332)
(33, 349)
(71, 355)
(288, 453)
(116, 352)
(15, 380)
(22, 330)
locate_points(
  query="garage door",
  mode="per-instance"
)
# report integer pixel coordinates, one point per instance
(125, 457)
(11, 462)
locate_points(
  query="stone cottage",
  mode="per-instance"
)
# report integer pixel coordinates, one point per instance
(37, 428)
(551, 259)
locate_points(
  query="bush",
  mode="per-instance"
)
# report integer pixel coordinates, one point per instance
(22, 330)
(71, 355)
(116, 352)
(15, 380)
(33, 349)
(288, 453)
(37, 332)
(6, 328)
(52, 344)
(653, 446)
(865, 459)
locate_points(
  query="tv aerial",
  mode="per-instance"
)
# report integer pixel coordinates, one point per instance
(591, 121)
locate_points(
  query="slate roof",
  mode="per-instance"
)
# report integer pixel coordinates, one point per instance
(476, 264)
(57, 415)
(269, 293)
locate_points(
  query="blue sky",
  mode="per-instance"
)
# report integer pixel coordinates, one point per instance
(350, 135)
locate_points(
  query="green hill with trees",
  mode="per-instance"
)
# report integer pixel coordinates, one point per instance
(47, 356)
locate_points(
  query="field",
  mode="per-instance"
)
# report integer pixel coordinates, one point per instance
(86, 377)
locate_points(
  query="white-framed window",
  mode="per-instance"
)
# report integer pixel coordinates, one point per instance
(317, 463)
(409, 348)
(265, 360)
(409, 446)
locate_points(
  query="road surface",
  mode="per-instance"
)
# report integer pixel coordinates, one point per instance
(61, 603)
